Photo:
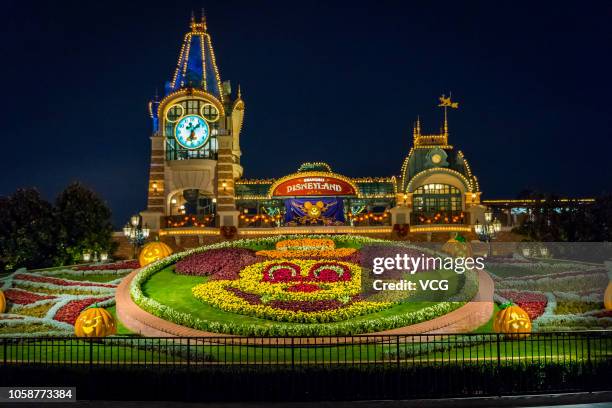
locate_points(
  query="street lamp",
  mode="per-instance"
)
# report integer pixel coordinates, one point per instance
(135, 233)
(486, 232)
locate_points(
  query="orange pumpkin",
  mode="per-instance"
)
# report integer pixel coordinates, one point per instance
(2, 302)
(512, 321)
(457, 248)
(95, 322)
(608, 297)
(153, 251)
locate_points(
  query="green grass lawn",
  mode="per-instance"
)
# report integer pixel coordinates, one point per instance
(453, 349)
(78, 351)
(121, 329)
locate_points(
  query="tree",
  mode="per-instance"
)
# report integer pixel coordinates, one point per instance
(85, 222)
(28, 231)
(553, 220)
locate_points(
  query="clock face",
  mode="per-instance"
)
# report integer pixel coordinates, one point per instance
(192, 132)
(436, 158)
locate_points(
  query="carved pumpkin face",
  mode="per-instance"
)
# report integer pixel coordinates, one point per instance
(2, 302)
(153, 251)
(95, 322)
(608, 297)
(512, 321)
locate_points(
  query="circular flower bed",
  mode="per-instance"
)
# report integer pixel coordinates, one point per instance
(240, 291)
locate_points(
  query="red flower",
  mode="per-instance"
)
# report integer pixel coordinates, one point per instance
(329, 272)
(61, 282)
(71, 310)
(22, 297)
(281, 272)
(219, 264)
(303, 287)
(532, 303)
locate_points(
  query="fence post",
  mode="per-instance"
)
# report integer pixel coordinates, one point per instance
(90, 381)
(292, 355)
(589, 364)
(188, 352)
(397, 359)
(498, 377)
(90, 356)
(397, 350)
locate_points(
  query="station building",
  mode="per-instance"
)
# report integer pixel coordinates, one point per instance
(197, 183)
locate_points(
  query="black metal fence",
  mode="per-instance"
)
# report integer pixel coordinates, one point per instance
(353, 367)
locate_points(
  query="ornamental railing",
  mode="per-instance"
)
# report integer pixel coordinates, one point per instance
(339, 367)
(440, 217)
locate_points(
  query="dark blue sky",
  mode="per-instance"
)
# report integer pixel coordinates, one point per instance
(340, 83)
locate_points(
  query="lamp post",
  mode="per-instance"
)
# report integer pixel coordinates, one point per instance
(486, 232)
(136, 233)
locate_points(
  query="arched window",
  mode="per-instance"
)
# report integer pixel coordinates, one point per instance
(429, 199)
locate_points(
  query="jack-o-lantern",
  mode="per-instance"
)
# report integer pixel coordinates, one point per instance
(512, 321)
(457, 247)
(2, 302)
(153, 251)
(95, 322)
(608, 297)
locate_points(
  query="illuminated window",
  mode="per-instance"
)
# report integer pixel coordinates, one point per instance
(434, 198)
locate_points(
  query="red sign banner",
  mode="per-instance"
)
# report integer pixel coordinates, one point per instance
(313, 186)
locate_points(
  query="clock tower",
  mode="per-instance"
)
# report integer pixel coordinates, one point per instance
(195, 144)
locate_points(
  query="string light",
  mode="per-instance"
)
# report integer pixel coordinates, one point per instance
(172, 222)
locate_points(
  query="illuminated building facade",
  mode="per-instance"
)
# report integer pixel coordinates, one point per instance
(196, 182)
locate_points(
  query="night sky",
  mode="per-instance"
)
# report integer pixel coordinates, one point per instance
(340, 83)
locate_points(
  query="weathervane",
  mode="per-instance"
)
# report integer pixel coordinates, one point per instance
(447, 103)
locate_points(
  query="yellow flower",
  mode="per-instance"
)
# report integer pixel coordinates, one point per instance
(218, 294)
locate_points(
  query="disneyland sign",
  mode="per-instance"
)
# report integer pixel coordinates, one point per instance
(314, 186)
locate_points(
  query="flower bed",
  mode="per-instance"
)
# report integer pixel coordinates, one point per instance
(41, 304)
(533, 303)
(309, 253)
(305, 291)
(557, 296)
(69, 312)
(60, 282)
(221, 263)
(133, 264)
(290, 300)
(305, 244)
(23, 297)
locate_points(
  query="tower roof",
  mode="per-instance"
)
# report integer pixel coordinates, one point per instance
(196, 67)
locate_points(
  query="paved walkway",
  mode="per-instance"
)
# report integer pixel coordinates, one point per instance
(468, 317)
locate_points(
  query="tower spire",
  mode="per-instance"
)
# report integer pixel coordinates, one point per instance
(445, 121)
(196, 66)
(416, 129)
(447, 103)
